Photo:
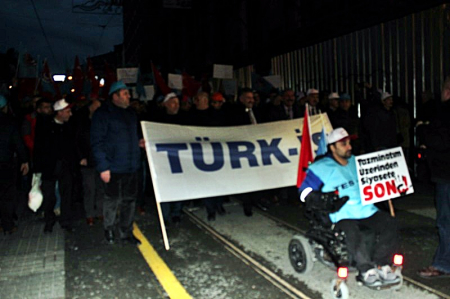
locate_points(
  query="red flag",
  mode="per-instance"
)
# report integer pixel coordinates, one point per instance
(306, 153)
(160, 81)
(190, 86)
(110, 78)
(77, 78)
(95, 85)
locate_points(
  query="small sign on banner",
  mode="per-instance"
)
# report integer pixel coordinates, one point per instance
(127, 75)
(175, 81)
(383, 175)
(223, 71)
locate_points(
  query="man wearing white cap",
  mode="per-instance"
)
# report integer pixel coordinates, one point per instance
(115, 146)
(336, 174)
(312, 98)
(54, 157)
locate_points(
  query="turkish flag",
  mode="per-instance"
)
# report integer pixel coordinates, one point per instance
(190, 86)
(160, 81)
(306, 153)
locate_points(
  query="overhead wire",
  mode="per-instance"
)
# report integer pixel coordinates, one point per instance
(43, 31)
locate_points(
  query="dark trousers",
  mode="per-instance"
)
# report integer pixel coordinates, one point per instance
(7, 198)
(441, 259)
(384, 241)
(212, 204)
(170, 210)
(93, 192)
(120, 195)
(250, 199)
(64, 179)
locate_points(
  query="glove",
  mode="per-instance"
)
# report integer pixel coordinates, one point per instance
(328, 202)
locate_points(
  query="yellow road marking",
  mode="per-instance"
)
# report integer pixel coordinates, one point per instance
(166, 278)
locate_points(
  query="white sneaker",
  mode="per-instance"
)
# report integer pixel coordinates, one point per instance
(370, 278)
(387, 275)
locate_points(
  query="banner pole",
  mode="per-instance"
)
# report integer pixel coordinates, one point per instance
(391, 208)
(163, 226)
(155, 185)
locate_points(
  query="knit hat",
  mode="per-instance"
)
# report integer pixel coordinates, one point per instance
(116, 86)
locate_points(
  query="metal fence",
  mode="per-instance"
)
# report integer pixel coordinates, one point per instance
(405, 57)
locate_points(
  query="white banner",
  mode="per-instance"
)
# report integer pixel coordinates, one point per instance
(195, 162)
(383, 175)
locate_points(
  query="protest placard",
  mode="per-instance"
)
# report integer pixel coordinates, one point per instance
(175, 81)
(383, 175)
(149, 92)
(223, 71)
(127, 75)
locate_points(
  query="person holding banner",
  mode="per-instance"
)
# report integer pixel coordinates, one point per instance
(336, 173)
(242, 113)
(115, 146)
(171, 115)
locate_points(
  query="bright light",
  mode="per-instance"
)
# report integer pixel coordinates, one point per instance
(102, 82)
(96, 77)
(342, 272)
(72, 90)
(398, 259)
(10, 87)
(59, 78)
(69, 78)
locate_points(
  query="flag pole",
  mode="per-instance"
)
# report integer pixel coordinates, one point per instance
(309, 128)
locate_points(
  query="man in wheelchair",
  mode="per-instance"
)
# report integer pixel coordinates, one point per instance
(333, 177)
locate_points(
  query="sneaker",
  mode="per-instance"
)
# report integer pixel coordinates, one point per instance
(370, 278)
(388, 276)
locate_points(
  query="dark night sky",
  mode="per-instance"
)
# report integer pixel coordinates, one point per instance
(68, 33)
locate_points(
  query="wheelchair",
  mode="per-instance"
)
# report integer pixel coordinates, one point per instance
(325, 243)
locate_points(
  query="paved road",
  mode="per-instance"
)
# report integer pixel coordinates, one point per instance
(31, 263)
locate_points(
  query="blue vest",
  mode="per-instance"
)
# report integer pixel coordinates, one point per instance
(327, 175)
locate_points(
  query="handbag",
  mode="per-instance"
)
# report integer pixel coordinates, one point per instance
(35, 196)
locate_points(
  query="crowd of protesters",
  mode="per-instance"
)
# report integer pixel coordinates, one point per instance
(64, 140)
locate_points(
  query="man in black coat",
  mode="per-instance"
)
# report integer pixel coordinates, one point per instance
(54, 157)
(242, 114)
(10, 143)
(438, 144)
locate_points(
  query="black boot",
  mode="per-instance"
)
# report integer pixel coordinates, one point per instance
(131, 240)
(109, 236)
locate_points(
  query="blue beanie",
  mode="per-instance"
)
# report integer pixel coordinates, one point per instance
(3, 101)
(116, 86)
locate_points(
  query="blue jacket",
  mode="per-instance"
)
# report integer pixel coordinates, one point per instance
(114, 139)
(327, 175)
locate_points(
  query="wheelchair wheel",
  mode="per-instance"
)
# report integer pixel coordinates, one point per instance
(301, 255)
(342, 292)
